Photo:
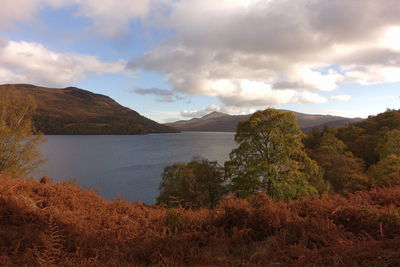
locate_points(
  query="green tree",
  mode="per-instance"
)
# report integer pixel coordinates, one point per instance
(198, 183)
(342, 170)
(18, 144)
(270, 158)
(390, 144)
(386, 172)
(362, 138)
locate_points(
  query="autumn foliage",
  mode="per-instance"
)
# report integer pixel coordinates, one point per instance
(52, 224)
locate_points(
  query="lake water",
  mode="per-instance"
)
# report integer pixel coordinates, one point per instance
(127, 165)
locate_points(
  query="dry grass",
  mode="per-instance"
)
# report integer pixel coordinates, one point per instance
(62, 225)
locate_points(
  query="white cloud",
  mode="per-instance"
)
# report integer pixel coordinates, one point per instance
(341, 97)
(391, 38)
(373, 74)
(249, 93)
(287, 50)
(26, 62)
(197, 113)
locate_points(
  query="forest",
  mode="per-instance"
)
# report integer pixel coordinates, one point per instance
(284, 198)
(276, 158)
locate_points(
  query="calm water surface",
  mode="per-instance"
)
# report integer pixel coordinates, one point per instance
(127, 165)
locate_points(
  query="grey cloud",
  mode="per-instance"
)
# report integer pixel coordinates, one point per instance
(286, 85)
(3, 42)
(110, 18)
(378, 56)
(352, 20)
(163, 95)
(153, 91)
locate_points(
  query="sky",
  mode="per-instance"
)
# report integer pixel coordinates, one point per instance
(178, 59)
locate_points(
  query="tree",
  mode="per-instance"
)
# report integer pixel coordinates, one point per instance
(362, 138)
(198, 183)
(270, 158)
(389, 145)
(342, 170)
(18, 144)
(386, 172)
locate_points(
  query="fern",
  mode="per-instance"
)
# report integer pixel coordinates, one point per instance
(52, 250)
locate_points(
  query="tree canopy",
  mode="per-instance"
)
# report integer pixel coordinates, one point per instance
(386, 172)
(389, 145)
(344, 172)
(359, 156)
(18, 143)
(270, 158)
(362, 138)
(198, 183)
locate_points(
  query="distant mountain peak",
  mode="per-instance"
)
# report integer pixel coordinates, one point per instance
(215, 114)
(222, 122)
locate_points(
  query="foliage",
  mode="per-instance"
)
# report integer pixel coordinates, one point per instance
(62, 225)
(342, 170)
(363, 137)
(390, 144)
(18, 144)
(270, 158)
(386, 172)
(363, 155)
(198, 183)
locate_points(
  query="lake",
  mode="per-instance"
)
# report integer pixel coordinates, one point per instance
(127, 165)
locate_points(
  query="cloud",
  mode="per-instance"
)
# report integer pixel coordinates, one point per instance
(163, 95)
(109, 18)
(249, 93)
(341, 97)
(248, 53)
(373, 74)
(28, 62)
(18, 10)
(256, 52)
(197, 113)
(200, 112)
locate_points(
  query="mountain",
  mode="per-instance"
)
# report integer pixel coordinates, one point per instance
(222, 122)
(75, 111)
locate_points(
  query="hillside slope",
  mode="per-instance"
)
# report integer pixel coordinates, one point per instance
(61, 225)
(75, 111)
(221, 122)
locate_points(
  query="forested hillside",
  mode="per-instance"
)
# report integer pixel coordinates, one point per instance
(75, 111)
(360, 156)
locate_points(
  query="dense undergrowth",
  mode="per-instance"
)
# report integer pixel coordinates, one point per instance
(63, 225)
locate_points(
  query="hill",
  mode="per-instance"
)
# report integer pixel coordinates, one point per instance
(46, 224)
(75, 111)
(222, 122)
